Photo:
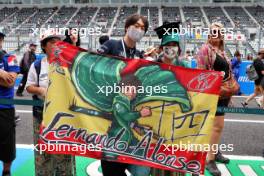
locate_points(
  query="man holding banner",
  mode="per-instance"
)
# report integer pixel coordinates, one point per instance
(37, 84)
(135, 28)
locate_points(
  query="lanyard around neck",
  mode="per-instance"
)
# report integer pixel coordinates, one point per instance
(124, 49)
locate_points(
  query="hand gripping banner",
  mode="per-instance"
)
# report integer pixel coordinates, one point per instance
(164, 121)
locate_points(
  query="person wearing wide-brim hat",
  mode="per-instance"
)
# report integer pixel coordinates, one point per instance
(37, 84)
(170, 44)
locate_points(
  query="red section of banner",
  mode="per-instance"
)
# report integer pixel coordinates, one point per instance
(168, 157)
(194, 80)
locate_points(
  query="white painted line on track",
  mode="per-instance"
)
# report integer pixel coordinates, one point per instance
(233, 157)
(23, 111)
(247, 170)
(241, 157)
(244, 121)
(223, 170)
(25, 146)
(226, 120)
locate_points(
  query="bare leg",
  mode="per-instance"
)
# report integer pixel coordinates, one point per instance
(251, 97)
(217, 130)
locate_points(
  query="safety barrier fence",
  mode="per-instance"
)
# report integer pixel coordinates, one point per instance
(237, 110)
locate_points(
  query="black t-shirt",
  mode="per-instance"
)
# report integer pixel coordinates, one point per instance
(119, 48)
(221, 64)
(259, 66)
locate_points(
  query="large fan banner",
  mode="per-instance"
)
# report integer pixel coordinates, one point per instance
(128, 110)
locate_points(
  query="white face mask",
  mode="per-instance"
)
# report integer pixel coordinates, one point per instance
(170, 52)
(135, 34)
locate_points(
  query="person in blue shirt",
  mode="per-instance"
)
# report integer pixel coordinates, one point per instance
(236, 62)
(9, 69)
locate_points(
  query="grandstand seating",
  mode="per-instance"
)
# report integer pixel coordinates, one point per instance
(194, 16)
(105, 18)
(16, 21)
(171, 14)
(152, 13)
(62, 16)
(36, 21)
(240, 17)
(6, 12)
(216, 14)
(258, 13)
(83, 17)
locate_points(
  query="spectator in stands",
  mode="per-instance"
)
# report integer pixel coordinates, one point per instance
(37, 84)
(72, 37)
(135, 28)
(211, 56)
(28, 58)
(103, 39)
(258, 63)
(8, 72)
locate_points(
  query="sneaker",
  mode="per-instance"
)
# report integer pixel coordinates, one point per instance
(219, 157)
(19, 94)
(17, 118)
(244, 104)
(258, 100)
(212, 168)
(6, 173)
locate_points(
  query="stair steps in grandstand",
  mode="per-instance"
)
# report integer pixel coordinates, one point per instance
(73, 15)
(226, 14)
(252, 18)
(205, 17)
(43, 25)
(251, 48)
(24, 21)
(160, 17)
(93, 18)
(238, 166)
(114, 21)
(183, 19)
(8, 17)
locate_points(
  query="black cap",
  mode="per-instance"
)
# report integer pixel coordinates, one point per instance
(166, 28)
(103, 39)
(2, 34)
